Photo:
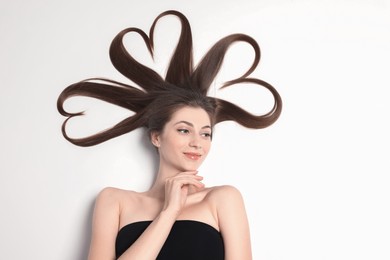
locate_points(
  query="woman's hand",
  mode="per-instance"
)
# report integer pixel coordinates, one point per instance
(176, 190)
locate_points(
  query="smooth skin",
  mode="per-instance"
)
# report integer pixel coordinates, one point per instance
(177, 194)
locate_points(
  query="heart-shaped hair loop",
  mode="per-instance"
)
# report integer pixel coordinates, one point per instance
(154, 98)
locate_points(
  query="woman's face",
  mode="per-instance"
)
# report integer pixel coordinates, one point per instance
(185, 140)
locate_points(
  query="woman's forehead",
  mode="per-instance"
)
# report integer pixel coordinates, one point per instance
(193, 115)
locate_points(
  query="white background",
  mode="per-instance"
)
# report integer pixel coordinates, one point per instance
(315, 184)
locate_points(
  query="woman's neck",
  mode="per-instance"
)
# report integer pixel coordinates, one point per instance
(158, 188)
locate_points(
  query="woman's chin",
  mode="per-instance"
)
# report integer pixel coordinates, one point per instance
(189, 168)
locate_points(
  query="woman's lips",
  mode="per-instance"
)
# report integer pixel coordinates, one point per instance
(193, 156)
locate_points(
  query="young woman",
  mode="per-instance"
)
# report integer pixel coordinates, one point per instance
(178, 217)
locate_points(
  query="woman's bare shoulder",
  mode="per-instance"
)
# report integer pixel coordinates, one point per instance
(223, 191)
(113, 195)
(113, 192)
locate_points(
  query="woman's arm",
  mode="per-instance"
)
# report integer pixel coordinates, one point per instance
(148, 245)
(233, 223)
(105, 225)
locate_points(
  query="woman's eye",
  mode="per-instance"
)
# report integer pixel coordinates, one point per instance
(207, 135)
(183, 131)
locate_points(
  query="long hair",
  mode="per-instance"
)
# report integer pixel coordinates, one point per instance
(181, 77)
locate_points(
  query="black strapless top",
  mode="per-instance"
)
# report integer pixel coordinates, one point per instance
(188, 240)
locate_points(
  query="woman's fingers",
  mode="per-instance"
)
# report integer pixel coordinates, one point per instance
(182, 180)
(176, 189)
(185, 178)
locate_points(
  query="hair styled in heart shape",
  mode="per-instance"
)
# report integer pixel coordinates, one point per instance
(182, 82)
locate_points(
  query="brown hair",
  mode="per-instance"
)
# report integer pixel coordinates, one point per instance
(183, 85)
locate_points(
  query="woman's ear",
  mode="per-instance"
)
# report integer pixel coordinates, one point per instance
(155, 138)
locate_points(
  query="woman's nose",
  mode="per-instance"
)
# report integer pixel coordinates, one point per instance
(195, 142)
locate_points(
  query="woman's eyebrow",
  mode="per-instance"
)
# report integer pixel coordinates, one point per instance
(192, 125)
(184, 122)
